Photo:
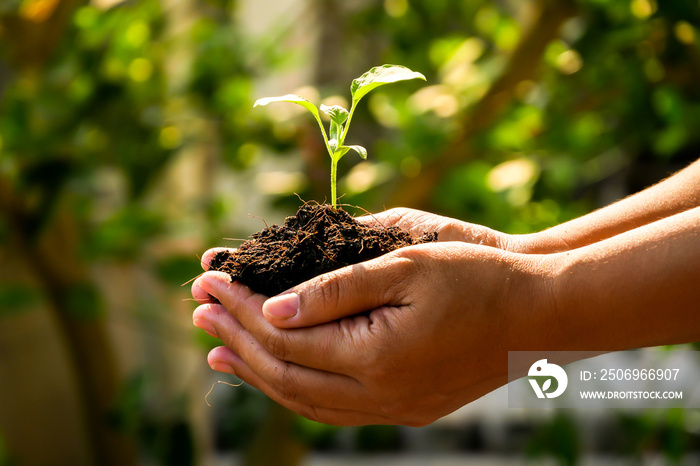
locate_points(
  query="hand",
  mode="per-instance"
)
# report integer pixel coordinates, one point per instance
(670, 197)
(418, 222)
(402, 339)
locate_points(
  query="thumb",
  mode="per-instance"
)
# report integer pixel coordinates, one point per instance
(344, 292)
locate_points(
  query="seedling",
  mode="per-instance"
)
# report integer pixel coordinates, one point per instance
(341, 117)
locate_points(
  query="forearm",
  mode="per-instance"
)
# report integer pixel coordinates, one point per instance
(676, 194)
(638, 289)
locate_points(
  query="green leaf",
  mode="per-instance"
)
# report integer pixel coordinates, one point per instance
(290, 98)
(82, 301)
(333, 143)
(336, 113)
(293, 98)
(16, 298)
(359, 149)
(378, 76)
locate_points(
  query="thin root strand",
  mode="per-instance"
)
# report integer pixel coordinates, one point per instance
(206, 397)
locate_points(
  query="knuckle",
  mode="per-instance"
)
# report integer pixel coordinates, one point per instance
(405, 263)
(409, 255)
(326, 289)
(288, 387)
(498, 240)
(325, 345)
(276, 343)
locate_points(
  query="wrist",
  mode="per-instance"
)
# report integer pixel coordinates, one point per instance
(537, 243)
(634, 290)
(531, 295)
(583, 319)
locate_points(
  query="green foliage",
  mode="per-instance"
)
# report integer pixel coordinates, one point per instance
(378, 438)
(341, 117)
(5, 458)
(165, 441)
(379, 76)
(558, 438)
(238, 415)
(94, 120)
(177, 269)
(121, 236)
(663, 431)
(17, 297)
(83, 301)
(315, 434)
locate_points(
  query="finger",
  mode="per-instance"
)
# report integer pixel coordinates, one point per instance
(326, 347)
(414, 221)
(344, 292)
(222, 359)
(389, 217)
(199, 318)
(290, 381)
(418, 222)
(199, 294)
(209, 254)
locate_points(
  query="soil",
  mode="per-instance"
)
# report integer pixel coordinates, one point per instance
(318, 239)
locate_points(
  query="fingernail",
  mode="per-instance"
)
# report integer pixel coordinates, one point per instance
(284, 306)
(205, 325)
(222, 367)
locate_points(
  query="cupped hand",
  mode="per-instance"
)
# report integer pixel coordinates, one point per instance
(418, 222)
(402, 339)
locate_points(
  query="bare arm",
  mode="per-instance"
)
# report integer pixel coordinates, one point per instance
(638, 289)
(675, 194)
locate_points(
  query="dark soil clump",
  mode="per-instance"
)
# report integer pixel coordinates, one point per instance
(316, 240)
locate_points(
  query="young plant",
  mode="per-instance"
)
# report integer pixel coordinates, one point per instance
(341, 117)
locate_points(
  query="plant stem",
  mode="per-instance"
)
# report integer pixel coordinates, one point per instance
(347, 124)
(334, 170)
(334, 160)
(325, 138)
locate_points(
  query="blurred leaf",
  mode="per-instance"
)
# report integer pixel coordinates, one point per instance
(674, 438)
(318, 436)
(378, 438)
(122, 236)
(557, 437)
(5, 458)
(176, 270)
(16, 298)
(83, 301)
(670, 140)
(205, 341)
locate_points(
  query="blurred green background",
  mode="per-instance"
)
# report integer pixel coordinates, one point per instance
(129, 145)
